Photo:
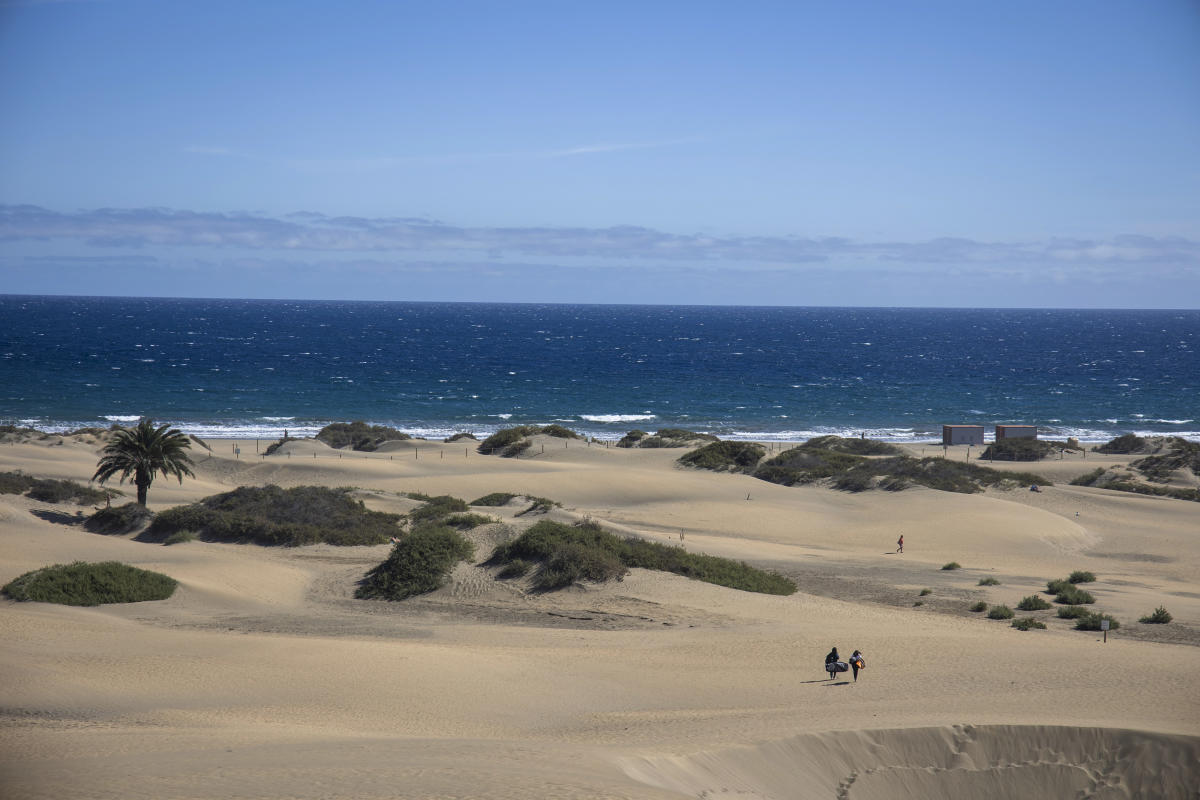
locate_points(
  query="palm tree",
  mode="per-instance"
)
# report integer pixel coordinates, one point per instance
(142, 451)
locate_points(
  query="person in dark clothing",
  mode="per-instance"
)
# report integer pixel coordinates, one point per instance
(857, 662)
(831, 663)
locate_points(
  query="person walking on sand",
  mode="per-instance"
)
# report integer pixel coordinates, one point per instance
(831, 663)
(856, 663)
(900, 544)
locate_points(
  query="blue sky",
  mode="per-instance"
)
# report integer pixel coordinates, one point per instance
(861, 153)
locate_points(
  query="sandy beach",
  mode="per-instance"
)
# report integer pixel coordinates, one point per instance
(263, 677)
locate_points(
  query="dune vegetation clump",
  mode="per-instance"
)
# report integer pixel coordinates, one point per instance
(1123, 445)
(358, 435)
(951, 565)
(979, 606)
(988, 582)
(420, 562)
(803, 464)
(857, 447)
(1090, 478)
(1028, 624)
(437, 508)
(585, 550)
(458, 437)
(1022, 449)
(1072, 612)
(269, 515)
(494, 499)
(725, 456)
(665, 438)
(118, 520)
(50, 490)
(1081, 576)
(1160, 616)
(632, 438)
(1181, 455)
(1074, 597)
(1092, 622)
(1033, 602)
(511, 442)
(84, 584)
(1000, 612)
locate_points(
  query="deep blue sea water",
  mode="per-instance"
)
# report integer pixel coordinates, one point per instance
(253, 368)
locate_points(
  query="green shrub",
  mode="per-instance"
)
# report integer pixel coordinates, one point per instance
(858, 447)
(925, 592)
(1074, 597)
(1123, 445)
(1019, 450)
(358, 435)
(1091, 622)
(559, 432)
(674, 437)
(1033, 603)
(725, 456)
(419, 563)
(1160, 617)
(1000, 612)
(179, 537)
(632, 438)
(458, 437)
(517, 568)
(436, 508)
(118, 520)
(83, 584)
(494, 499)
(1028, 624)
(543, 539)
(464, 522)
(15, 483)
(979, 606)
(856, 480)
(1058, 585)
(1081, 576)
(918, 603)
(802, 464)
(505, 437)
(1182, 455)
(1154, 491)
(47, 490)
(1072, 612)
(572, 562)
(988, 582)
(269, 515)
(515, 449)
(1090, 478)
(952, 565)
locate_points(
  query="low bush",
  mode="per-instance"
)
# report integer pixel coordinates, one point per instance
(420, 562)
(1019, 450)
(517, 568)
(674, 437)
(1160, 617)
(180, 537)
(632, 438)
(803, 464)
(979, 606)
(925, 592)
(47, 490)
(505, 437)
(494, 499)
(1154, 491)
(269, 515)
(1182, 455)
(15, 482)
(988, 582)
(1091, 622)
(1028, 624)
(84, 584)
(1000, 612)
(437, 508)
(559, 432)
(118, 520)
(725, 456)
(952, 565)
(1057, 585)
(464, 522)
(359, 435)
(572, 562)
(1123, 445)
(539, 542)
(1074, 597)
(1072, 612)
(515, 449)
(1081, 576)
(1090, 478)
(858, 447)
(458, 437)
(1033, 603)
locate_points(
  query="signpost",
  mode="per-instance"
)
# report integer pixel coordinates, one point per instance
(1104, 626)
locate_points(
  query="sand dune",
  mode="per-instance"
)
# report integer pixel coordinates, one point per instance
(263, 676)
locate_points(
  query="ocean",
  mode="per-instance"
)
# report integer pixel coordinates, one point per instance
(253, 368)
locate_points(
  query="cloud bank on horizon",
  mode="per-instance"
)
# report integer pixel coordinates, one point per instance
(297, 248)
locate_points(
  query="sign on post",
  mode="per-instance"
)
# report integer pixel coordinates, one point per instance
(1104, 626)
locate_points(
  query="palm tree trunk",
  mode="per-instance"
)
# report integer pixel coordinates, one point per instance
(143, 486)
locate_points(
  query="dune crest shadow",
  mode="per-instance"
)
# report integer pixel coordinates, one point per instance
(1035, 761)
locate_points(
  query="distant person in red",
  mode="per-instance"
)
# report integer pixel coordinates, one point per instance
(900, 544)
